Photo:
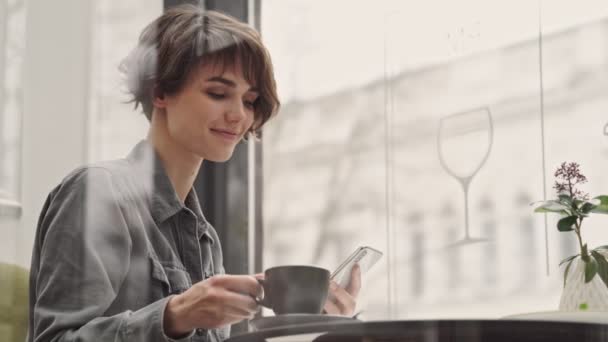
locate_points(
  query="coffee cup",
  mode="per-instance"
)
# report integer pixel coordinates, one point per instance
(295, 289)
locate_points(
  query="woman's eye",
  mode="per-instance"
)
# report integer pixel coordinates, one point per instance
(216, 95)
(249, 104)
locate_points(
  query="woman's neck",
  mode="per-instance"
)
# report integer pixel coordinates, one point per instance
(181, 165)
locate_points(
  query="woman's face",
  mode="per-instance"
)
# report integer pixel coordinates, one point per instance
(212, 113)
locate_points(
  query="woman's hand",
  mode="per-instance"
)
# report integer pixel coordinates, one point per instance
(344, 301)
(212, 303)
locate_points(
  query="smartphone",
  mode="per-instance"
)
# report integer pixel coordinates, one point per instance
(365, 256)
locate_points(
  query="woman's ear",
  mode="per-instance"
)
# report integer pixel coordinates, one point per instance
(159, 99)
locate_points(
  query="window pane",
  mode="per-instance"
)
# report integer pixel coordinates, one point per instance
(12, 48)
(115, 127)
(461, 87)
(324, 154)
(428, 136)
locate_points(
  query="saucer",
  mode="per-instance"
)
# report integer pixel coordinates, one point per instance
(287, 320)
(563, 316)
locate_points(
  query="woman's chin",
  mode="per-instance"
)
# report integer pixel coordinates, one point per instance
(219, 157)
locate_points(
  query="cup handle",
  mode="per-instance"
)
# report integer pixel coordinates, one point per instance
(265, 300)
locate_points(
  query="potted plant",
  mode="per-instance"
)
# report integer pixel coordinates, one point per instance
(586, 273)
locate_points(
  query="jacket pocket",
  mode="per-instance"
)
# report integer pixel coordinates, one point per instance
(171, 279)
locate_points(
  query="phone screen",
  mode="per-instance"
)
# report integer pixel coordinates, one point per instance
(366, 257)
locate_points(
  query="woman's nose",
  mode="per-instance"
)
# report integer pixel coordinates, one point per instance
(237, 112)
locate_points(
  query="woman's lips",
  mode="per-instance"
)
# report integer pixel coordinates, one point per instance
(225, 134)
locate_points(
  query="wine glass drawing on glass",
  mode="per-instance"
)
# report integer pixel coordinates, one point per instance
(464, 141)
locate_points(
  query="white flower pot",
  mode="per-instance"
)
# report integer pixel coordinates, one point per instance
(577, 294)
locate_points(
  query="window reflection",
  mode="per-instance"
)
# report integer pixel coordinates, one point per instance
(115, 127)
(12, 49)
(332, 182)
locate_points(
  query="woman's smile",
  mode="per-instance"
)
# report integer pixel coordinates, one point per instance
(225, 134)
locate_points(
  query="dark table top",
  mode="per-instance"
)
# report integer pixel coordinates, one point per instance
(439, 331)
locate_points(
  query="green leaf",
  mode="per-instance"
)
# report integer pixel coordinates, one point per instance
(565, 199)
(602, 266)
(590, 269)
(600, 247)
(595, 201)
(587, 207)
(551, 206)
(567, 259)
(602, 208)
(543, 210)
(567, 270)
(565, 224)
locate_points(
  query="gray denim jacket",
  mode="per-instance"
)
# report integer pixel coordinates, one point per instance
(113, 243)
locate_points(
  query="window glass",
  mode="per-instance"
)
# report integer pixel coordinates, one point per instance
(427, 134)
(12, 49)
(114, 126)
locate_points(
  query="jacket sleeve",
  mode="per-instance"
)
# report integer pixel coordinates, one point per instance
(81, 257)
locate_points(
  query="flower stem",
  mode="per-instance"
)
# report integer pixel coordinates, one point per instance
(577, 230)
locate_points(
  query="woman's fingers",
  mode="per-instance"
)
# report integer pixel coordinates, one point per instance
(331, 308)
(239, 283)
(238, 304)
(354, 285)
(341, 299)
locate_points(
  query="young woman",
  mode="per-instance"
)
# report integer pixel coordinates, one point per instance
(123, 251)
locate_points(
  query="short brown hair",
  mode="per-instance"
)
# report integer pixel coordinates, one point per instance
(187, 37)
